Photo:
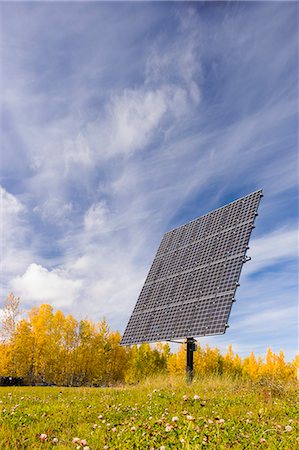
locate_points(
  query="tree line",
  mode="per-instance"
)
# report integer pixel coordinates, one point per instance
(48, 347)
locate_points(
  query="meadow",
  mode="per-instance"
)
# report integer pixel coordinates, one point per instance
(214, 412)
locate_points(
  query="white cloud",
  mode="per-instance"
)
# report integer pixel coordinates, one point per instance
(95, 217)
(111, 294)
(278, 246)
(54, 210)
(10, 205)
(39, 285)
(195, 93)
(178, 61)
(269, 319)
(136, 116)
(109, 269)
(11, 230)
(170, 91)
(15, 253)
(76, 152)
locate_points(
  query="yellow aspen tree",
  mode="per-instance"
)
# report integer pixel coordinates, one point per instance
(23, 351)
(118, 358)
(143, 363)
(41, 321)
(9, 316)
(268, 368)
(5, 359)
(198, 359)
(251, 366)
(130, 372)
(237, 365)
(147, 362)
(281, 370)
(181, 359)
(70, 349)
(295, 365)
(176, 362)
(260, 365)
(85, 352)
(212, 360)
(101, 354)
(229, 360)
(104, 348)
(172, 365)
(56, 363)
(164, 350)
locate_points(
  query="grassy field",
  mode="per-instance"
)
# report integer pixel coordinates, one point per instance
(213, 413)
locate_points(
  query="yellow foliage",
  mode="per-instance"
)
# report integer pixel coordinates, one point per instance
(49, 347)
(176, 363)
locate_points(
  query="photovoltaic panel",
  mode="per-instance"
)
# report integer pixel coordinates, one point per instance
(191, 284)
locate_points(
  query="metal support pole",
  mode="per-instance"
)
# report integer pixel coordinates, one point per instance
(191, 347)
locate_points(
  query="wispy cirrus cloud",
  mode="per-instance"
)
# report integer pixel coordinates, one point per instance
(95, 217)
(15, 255)
(274, 248)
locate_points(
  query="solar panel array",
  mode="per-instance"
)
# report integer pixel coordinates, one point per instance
(192, 282)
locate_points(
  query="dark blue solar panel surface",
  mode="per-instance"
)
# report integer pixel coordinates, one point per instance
(191, 284)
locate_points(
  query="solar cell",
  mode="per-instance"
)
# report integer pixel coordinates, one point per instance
(191, 284)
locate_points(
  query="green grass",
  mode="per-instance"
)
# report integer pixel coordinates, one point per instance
(228, 414)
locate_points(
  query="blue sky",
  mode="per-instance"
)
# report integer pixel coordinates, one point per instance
(120, 121)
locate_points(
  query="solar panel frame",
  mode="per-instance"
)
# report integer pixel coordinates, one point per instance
(191, 284)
